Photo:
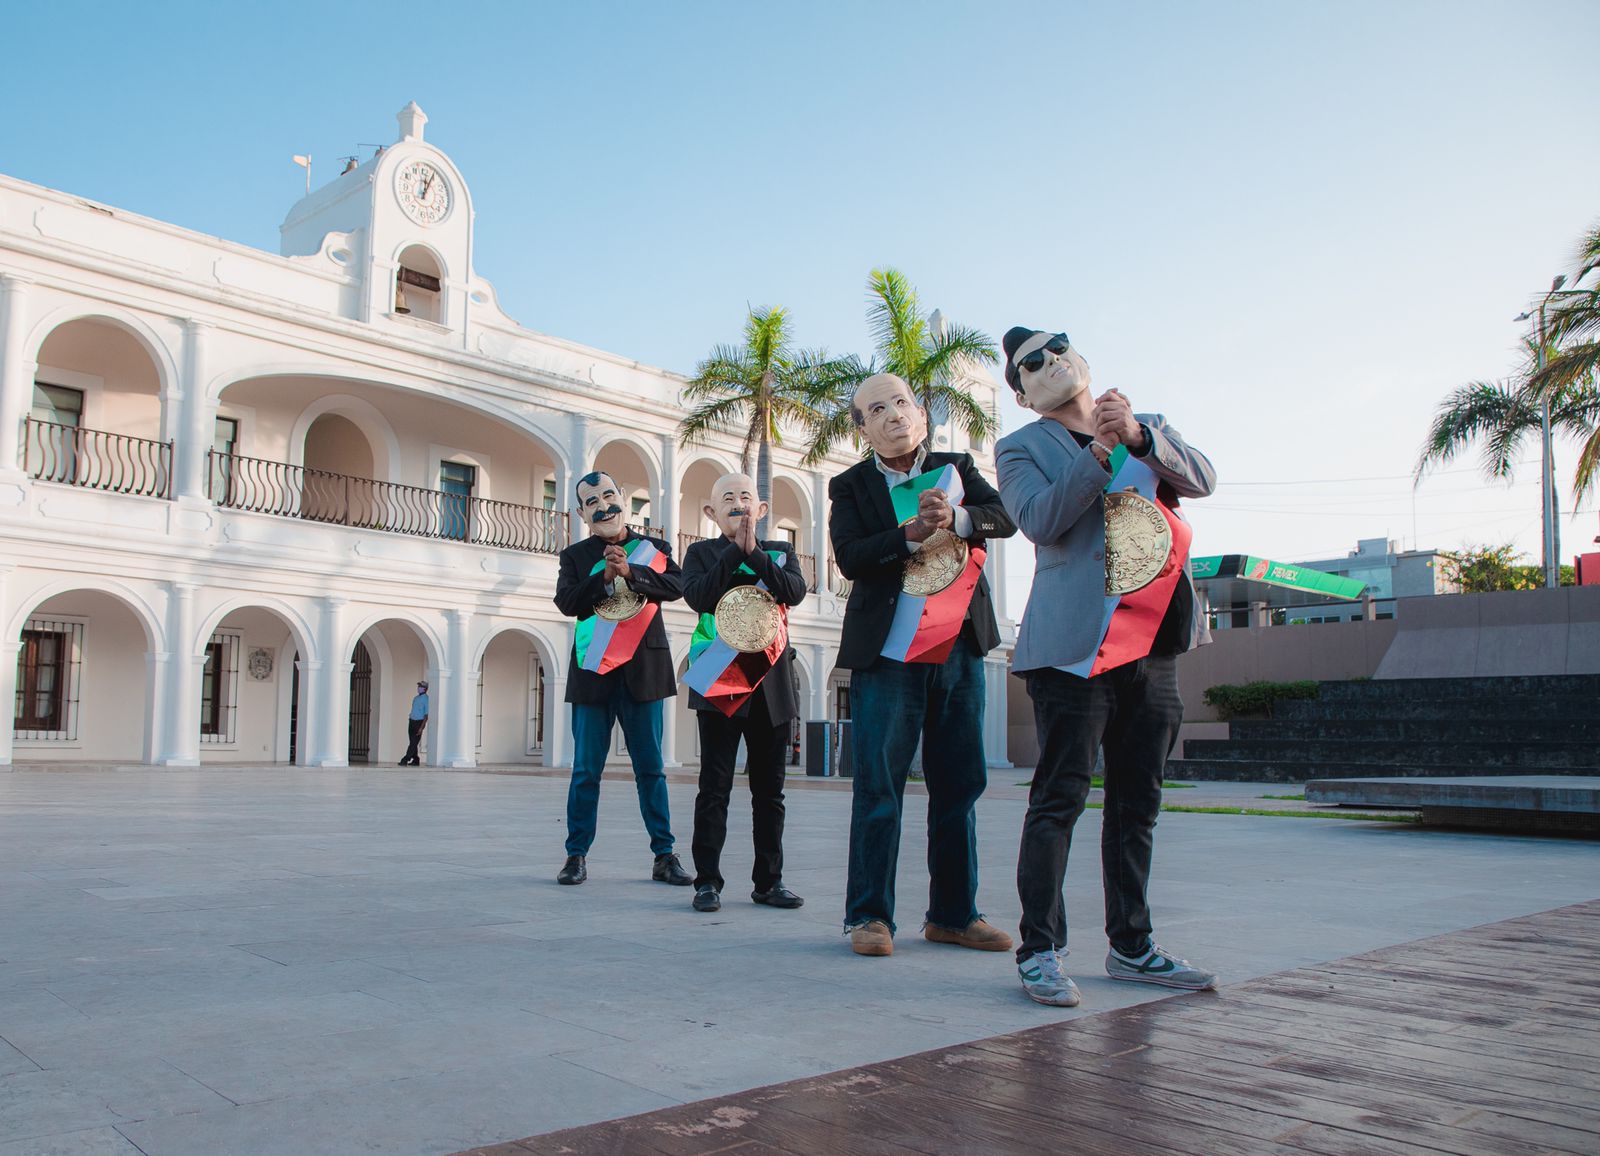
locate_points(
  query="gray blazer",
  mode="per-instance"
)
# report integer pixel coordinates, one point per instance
(1052, 488)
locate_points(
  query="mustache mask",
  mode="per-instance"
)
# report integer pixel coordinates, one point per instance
(602, 515)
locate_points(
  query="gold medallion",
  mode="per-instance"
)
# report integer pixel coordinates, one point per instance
(748, 619)
(622, 605)
(936, 565)
(1138, 542)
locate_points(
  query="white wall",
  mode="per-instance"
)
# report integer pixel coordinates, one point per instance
(112, 695)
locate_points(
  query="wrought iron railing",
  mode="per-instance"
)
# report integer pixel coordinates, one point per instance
(685, 540)
(837, 582)
(808, 567)
(97, 460)
(289, 491)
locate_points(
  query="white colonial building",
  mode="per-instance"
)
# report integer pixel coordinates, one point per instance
(247, 500)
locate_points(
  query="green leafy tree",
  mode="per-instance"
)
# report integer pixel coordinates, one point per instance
(1484, 569)
(930, 353)
(1572, 367)
(759, 387)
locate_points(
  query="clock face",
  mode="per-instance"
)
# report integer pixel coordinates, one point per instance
(423, 192)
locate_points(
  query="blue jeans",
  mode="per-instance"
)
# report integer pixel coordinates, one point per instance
(892, 705)
(591, 733)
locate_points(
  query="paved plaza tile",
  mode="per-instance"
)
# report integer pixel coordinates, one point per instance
(303, 961)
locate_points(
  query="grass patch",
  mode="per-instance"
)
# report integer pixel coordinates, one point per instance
(1300, 798)
(1365, 818)
(1098, 783)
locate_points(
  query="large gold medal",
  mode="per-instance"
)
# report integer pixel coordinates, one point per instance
(622, 605)
(1138, 542)
(748, 619)
(936, 565)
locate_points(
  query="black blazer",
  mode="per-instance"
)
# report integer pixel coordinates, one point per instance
(648, 674)
(710, 569)
(870, 549)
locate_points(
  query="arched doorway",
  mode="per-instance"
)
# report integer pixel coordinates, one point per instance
(515, 714)
(361, 714)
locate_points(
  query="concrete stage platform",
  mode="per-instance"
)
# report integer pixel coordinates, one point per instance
(1562, 804)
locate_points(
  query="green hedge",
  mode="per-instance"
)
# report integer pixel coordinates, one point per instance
(1255, 698)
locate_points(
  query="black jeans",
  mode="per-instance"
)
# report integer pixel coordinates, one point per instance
(414, 733)
(764, 745)
(1133, 712)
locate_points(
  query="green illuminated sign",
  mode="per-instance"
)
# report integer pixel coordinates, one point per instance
(1253, 569)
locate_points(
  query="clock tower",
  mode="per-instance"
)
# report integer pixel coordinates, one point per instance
(400, 227)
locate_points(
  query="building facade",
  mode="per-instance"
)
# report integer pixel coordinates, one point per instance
(247, 500)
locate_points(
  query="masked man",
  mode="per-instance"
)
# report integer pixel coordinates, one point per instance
(762, 715)
(1096, 488)
(613, 583)
(915, 650)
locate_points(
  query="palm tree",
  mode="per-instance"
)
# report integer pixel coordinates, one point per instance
(759, 387)
(929, 352)
(1503, 415)
(1572, 368)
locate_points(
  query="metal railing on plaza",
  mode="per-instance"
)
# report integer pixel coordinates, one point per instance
(96, 459)
(289, 491)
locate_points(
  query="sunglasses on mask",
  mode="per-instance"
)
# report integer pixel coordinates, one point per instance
(1034, 362)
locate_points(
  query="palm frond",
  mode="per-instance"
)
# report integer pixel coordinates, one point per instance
(1471, 412)
(895, 321)
(965, 412)
(716, 416)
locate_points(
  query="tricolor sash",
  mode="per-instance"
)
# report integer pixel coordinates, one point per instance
(925, 627)
(1129, 622)
(723, 676)
(603, 645)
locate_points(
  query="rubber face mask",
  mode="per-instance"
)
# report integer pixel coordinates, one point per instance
(892, 422)
(733, 501)
(1063, 375)
(601, 507)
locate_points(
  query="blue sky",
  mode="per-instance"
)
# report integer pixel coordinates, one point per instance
(1291, 227)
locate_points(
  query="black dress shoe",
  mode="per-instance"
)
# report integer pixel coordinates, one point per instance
(777, 896)
(669, 870)
(574, 872)
(707, 898)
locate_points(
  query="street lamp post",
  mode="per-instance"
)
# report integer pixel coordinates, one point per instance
(1550, 536)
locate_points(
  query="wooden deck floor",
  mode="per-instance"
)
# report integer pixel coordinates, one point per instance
(1482, 1041)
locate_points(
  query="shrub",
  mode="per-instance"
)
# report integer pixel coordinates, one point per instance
(1255, 698)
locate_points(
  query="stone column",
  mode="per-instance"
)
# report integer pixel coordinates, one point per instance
(670, 485)
(458, 737)
(10, 645)
(181, 713)
(669, 732)
(822, 670)
(557, 722)
(819, 528)
(578, 450)
(330, 687)
(16, 373)
(198, 415)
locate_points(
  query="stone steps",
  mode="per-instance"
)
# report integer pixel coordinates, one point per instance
(1547, 725)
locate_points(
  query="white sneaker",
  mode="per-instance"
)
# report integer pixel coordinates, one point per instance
(1157, 965)
(1044, 981)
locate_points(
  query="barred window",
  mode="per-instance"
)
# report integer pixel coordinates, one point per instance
(219, 689)
(48, 667)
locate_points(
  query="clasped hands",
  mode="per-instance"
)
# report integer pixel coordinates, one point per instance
(1113, 424)
(934, 512)
(616, 564)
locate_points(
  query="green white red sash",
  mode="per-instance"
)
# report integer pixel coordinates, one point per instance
(925, 627)
(1129, 622)
(603, 645)
(723, 676)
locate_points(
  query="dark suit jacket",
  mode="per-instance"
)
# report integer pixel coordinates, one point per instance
(648, 674)
(870, 549)
(710, 569)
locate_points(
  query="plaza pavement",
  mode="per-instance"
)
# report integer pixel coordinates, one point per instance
(284, 960)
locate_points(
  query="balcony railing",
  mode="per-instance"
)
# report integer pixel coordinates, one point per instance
(97, 460)
(288, 491)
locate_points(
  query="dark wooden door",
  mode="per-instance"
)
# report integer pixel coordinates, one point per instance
(361, 706)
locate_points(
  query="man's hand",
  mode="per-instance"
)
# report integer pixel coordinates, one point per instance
(933, 513)
(744, 535)
(1114, 423)
(616, 563)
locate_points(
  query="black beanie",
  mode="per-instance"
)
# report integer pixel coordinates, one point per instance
(1011, 342)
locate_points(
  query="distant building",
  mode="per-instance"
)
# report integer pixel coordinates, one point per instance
(1278, 594)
